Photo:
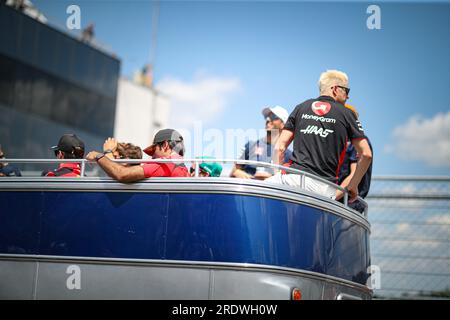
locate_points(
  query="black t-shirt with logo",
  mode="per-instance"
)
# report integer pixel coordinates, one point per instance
(321, 130)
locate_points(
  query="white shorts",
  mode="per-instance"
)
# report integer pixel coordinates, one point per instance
(311, 184)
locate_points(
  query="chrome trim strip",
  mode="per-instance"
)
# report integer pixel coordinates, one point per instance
(188, 185)
(196, 161)
(345, 296)
(191, 264)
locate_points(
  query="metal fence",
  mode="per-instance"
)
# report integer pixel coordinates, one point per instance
(410, 240)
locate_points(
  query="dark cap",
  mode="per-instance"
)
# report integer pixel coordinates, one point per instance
(167, 135)
(164, 135)
(68, 143)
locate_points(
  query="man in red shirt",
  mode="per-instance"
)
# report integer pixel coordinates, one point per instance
(167, 144)
(69, 147)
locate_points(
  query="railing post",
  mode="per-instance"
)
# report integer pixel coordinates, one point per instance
(197, 168)
(83, 166)
(302, 181)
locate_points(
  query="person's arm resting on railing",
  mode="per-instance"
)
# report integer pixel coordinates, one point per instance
(115, 170)
(344, 184)
(237, 172)
(283, 142)
(365, 158)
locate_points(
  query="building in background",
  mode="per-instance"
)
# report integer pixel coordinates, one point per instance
(28, 8)
(51, 83)
(140, 112)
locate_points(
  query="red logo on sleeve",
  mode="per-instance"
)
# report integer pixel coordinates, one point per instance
(320, 108)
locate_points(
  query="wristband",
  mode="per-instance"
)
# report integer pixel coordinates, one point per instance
(107, 151)
(99, 156)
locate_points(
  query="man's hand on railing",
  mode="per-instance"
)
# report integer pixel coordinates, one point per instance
(262, 175)
(352, 194)
(339, 194)
(238, 173)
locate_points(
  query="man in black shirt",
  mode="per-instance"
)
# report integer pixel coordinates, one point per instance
(320, 129)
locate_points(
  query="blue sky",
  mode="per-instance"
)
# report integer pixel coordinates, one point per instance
(223, 61)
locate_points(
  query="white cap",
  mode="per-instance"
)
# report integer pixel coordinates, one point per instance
(280, 112)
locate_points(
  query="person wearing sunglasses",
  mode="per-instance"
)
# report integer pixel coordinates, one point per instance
(69, 147)
(262, 149)
(320, 129)
(167, 144)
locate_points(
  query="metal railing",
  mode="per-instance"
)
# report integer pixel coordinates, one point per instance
(197, 161)
(410, 219)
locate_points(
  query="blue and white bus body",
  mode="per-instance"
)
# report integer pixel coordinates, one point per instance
(177, 238)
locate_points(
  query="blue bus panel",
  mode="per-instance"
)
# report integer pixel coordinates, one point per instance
(187, 227)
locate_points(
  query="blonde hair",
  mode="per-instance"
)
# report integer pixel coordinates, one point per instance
(331, 78)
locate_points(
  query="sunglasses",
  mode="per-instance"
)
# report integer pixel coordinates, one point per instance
(347, 90)
(57, 151)
(272, 117)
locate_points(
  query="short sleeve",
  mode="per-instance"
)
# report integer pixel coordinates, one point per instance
(354, 126)
(290, 123)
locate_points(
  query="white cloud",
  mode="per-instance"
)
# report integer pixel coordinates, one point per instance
(403, 228)
(423, 139)
(203, 99)
(441, 219)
